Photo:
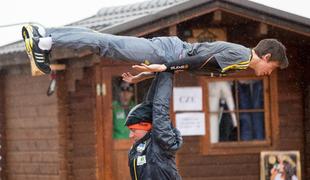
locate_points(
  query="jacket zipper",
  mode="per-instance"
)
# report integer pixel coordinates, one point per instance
(134, 169)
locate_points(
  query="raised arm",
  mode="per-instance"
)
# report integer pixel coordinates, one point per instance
(165, 135)
(128, 77)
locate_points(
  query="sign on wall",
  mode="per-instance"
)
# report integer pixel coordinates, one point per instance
(191, 124)
(187, 99)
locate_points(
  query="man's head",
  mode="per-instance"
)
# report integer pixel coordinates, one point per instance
(271, 54)
(139, 120)
(126, 92)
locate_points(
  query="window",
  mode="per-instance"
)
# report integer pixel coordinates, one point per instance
(125, 96)
(123, 101)
(238, 113)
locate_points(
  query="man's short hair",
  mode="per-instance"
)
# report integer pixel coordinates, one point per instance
(275, 48)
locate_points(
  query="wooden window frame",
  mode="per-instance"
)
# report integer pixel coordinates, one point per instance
(271, 118)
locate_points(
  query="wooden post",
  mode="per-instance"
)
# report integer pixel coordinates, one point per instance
(99, 127)
(217, 17)
(262, 29)
(173, 30)
(107, 124)
(57, 67)
(2, 131)
(54, 67)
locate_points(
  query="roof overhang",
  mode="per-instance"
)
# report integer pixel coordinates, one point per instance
(191, 9)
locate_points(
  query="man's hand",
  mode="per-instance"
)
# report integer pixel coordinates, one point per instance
(128, 77)
(150, 68)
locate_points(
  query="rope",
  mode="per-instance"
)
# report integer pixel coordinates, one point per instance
(18, 24)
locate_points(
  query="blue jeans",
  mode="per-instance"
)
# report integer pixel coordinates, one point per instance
(156, 50)
(251, 124)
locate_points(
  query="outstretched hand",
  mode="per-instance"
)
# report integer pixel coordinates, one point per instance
(150, 68)
(128, 77)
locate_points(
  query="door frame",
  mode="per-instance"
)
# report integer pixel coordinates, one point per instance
(104, 119)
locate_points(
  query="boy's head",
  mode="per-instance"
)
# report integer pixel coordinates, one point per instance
(139, 120)
(268, 55)
(273, 50)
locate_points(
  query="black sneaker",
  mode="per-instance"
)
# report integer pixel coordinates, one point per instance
(37, 56)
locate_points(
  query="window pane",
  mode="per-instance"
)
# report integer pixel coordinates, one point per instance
(252, 126)
(251, 107)
(123, 101)
(221, 100)
(228, 127)
(236, 110)
(125, 96)
(250, 94)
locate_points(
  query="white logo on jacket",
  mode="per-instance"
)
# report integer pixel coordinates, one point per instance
(141, 147)
(141, 160)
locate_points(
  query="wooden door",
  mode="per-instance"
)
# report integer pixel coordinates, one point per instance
(114, 151)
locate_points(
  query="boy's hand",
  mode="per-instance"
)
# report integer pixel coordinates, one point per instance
(128, 77)
(150, 68)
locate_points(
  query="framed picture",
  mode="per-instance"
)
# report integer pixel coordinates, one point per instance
(280, 165)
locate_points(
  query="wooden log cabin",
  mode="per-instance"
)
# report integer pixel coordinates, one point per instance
(68, 135)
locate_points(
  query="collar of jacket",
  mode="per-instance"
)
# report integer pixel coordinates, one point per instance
(144, 138)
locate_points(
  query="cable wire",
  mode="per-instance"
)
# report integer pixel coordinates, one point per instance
(17, 24)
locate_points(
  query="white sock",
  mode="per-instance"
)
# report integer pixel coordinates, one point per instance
(45, 43)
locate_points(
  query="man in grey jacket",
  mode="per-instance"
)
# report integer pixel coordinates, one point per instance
(168, 52)
(152, 156)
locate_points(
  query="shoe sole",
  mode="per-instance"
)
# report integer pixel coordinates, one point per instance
(27, 36)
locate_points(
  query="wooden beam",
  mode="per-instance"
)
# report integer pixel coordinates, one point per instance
(173, 30)
(58, 67)
(262, 29)
(100, 153)
(273, 21)
(217, 16)
(107, 124)
(2, 131)
(54, 67)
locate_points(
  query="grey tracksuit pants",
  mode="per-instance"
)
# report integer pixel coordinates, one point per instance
(155, 50)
